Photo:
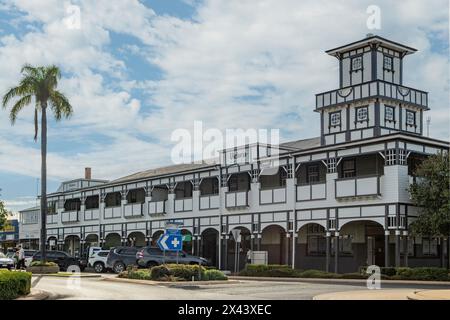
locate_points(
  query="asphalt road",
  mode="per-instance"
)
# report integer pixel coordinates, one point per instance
(100, 289)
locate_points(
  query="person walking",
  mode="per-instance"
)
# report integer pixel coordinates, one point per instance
(21, 258)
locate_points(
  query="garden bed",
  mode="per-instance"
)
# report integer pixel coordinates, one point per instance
(37, 267)
(174, 272)
(284, 271)
(14, 284)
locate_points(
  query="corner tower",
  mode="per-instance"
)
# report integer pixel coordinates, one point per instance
(371, 100)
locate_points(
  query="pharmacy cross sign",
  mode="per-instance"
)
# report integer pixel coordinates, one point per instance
(171, 241)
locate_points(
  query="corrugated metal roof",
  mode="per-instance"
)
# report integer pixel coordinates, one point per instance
(302, 144)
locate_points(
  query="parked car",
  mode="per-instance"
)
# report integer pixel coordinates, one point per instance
(97, 260)
(119, 258)
(29, 257)
(62, 259)
(152, 256)
(6, 262)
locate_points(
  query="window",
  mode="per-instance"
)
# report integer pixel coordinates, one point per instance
(362, 114)
(410, 247)
(316, 241)
(410, 118)
(388, 63)
(389, 114)
(335, 119)
(348, 168)
(429, 247)
(356, 63)
(312, 174)
(345, 244)
(51, 207)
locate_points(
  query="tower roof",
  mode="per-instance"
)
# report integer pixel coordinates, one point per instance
(372, 39)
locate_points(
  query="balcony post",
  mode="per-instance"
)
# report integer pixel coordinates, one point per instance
(327, 251)
(253, 196)
(386, 248)
(123, 202)
(397, 248)
(336, 252)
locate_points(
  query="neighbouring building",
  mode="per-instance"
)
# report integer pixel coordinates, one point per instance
(9, 235)
(30, 227)
(336, 202)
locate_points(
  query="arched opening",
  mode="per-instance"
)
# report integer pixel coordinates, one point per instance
(209, 186)
(92, 202)
(155, 237)
(113, 199)
(72, 246)
(361, 243)
(52, 243)
(237, 254)
(187, 241)
(311, 246)
(91, 240)
(136, 239)
(112, 240)
(239, 182)
(72, 205)
(210, 246)
(273, 240)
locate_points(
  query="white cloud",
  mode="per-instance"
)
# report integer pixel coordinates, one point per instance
(211, 64)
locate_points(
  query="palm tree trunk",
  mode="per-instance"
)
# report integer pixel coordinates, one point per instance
(43, 181)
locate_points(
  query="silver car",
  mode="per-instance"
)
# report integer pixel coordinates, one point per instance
(6, 262)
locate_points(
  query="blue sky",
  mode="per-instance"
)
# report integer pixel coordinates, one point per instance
(135, 71)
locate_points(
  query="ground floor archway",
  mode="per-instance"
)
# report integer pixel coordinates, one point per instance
(136, 239)
(275, 242)
(236, 253)
(210, 246)
(112, 240)
(72, 245)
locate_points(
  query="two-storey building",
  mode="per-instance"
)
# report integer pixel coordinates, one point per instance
(335, 202)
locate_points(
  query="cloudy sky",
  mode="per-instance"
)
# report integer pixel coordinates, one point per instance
(135, 71)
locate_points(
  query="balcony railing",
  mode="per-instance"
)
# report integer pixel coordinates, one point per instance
(157, 207)
(113, 212)
(52, 218)
(209, 202)
(236, 199)
(69, 216)
(358, 186)
(373, 89)
(91, 214)
(311, 191)
(271, 196)
(132, 210)
(184, 204)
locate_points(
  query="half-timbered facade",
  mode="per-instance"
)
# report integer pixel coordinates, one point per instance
(335, 202)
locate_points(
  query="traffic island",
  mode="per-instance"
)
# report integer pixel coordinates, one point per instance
(38, 267)
(429, 295)
(35, 294)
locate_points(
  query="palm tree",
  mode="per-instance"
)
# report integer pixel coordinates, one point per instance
(39, 84)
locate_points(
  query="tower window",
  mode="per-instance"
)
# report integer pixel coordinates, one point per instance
(362, 114)
(388, 63)
(389, 114)
(410, 118)
(335, 119)
(357, 63)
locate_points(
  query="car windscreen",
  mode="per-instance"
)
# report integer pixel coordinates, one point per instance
(2, 255)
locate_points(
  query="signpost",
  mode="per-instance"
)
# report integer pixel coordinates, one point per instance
(237, 240)
(171, 240)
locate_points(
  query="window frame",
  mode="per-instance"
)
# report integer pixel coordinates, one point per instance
(414, 117)
(391, 58)
(331, 125)
(359, 56)
(357, 109)
(386, 107)
(343, 170)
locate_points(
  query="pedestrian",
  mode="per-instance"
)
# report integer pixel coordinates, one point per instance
(249, 256)
(21, 258)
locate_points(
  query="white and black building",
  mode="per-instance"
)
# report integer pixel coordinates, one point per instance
(337, 202)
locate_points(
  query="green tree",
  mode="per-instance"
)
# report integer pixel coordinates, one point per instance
(3, 214)
(39, 85)
(431, 194)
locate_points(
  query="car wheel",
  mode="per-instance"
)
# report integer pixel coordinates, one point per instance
(118, 267)
(99, 267)
(151, 264)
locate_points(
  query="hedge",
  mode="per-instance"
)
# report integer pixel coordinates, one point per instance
(437, 274)
(174, 272)
(14, 284)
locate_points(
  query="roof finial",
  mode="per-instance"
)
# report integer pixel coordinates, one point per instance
(369, 35)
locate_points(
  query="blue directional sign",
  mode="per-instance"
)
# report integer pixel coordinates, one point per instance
(172, 240)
